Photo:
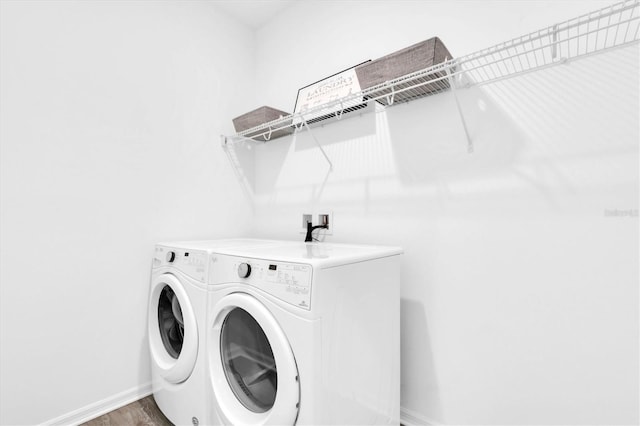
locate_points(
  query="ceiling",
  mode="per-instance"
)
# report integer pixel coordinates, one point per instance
(253, 13)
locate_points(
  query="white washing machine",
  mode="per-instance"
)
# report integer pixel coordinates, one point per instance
(304, 333)
(176, 324)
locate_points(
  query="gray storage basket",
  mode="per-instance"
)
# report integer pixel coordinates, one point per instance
(406, 61)
(260, 116)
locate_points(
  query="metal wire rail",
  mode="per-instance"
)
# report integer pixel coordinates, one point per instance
(614, 26)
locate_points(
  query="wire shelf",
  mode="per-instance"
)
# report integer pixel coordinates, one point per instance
(614, 26)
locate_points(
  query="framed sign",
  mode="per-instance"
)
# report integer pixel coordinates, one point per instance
(340, 85)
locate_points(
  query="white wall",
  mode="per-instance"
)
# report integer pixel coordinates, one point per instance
(520, 295)
(110, 119)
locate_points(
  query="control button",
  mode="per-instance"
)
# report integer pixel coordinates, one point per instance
(171, 256)
(244, 270)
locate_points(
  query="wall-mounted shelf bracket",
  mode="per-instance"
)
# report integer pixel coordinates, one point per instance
(391, 96)
(267, 137)
(228, 140)
(556, 46)
(340, 112)
(306, 126)
(452, 84)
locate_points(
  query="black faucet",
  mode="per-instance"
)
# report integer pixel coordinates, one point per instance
(310, 229)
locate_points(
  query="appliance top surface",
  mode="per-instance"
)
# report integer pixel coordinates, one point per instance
(323, 255)
(216, 245)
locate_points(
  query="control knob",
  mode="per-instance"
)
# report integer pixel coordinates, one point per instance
(244, 270)
(171, 256)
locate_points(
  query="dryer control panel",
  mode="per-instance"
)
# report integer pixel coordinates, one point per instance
(290, 282)
(190, 262)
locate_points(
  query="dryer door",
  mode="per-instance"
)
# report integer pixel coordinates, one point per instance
(252, 368)
(173, 332)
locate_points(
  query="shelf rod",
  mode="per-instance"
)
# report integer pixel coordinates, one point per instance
(304, 123)
(464, 123)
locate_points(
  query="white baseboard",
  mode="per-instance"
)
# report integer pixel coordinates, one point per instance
(99, 408)
(412, 418)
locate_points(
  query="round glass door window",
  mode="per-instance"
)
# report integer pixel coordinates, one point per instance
(248, 361)
(170, 322)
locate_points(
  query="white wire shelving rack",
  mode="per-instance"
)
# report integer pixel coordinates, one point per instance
(604, 29)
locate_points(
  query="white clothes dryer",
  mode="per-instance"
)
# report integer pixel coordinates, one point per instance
(304, 333)
(176, 320)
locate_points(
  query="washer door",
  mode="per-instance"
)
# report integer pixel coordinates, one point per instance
(173, 331)
(252, 367)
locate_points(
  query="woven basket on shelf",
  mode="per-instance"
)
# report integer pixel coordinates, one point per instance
(406, 61)
(260, 116)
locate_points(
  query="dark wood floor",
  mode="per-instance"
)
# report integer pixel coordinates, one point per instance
(144, 412)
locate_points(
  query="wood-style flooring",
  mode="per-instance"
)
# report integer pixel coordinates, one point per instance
(143, 412)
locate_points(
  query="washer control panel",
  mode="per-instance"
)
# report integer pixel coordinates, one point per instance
(290, 282)
(190, 262)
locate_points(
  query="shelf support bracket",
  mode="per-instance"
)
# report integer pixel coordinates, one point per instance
(391, 97)
(452, 84)
(226, 141)
(339, 113)
(305, 125)
(556, 48)
(267, 138)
